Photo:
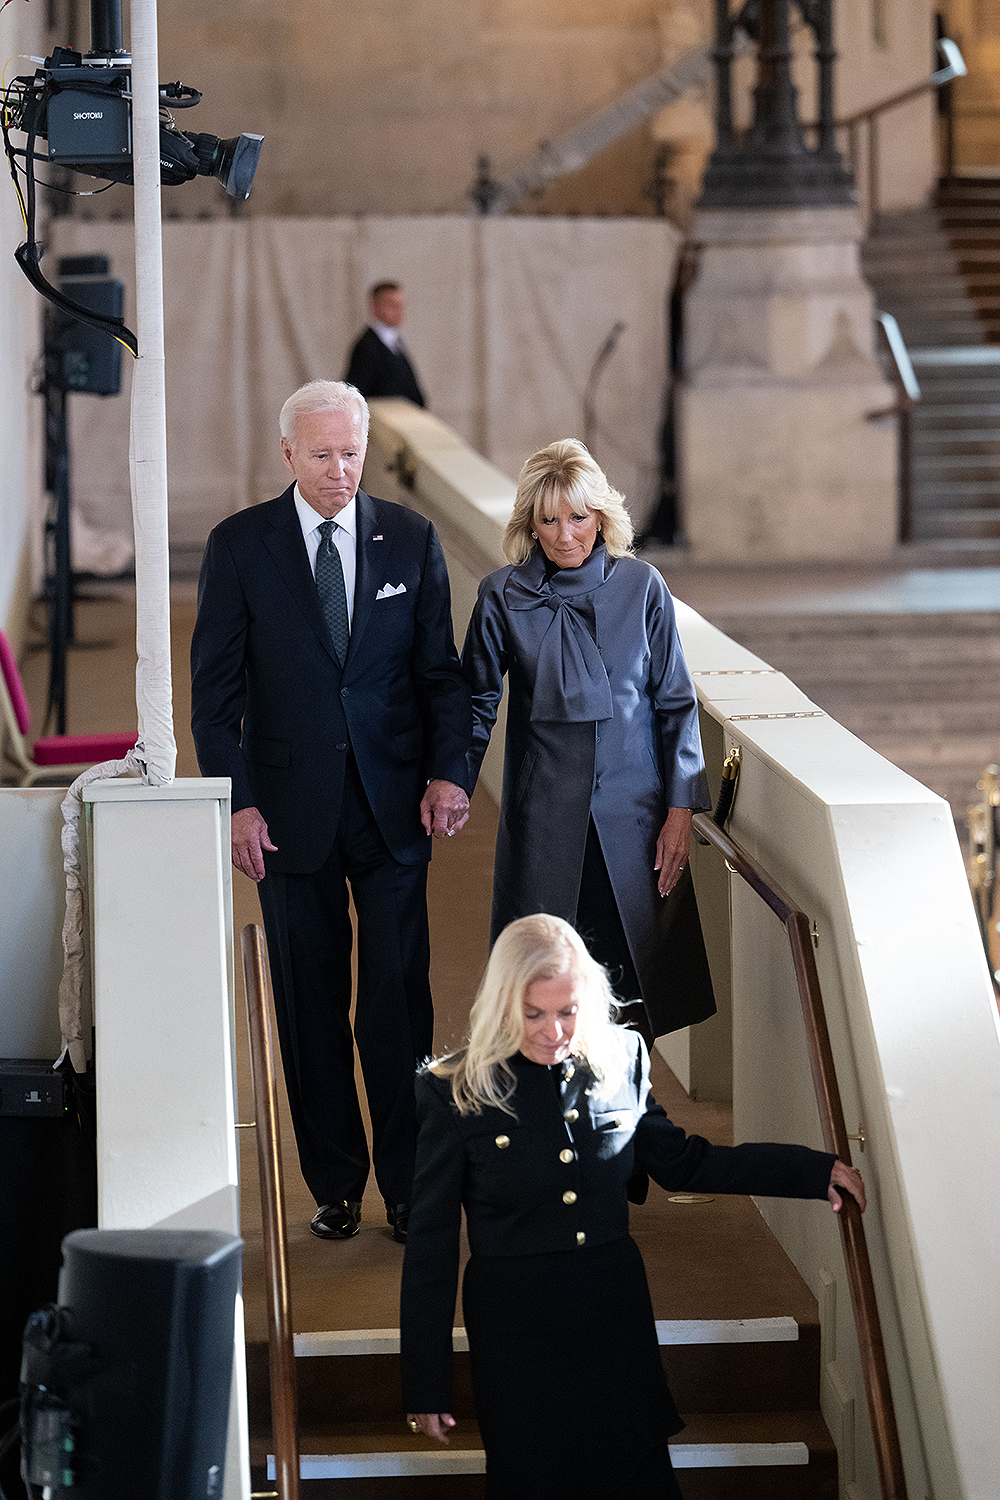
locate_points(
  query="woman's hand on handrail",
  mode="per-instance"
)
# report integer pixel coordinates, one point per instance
(847, 1180)
(434, 1424)
(672, 848)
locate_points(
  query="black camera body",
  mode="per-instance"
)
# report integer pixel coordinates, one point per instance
(89, 114)
(83, 107)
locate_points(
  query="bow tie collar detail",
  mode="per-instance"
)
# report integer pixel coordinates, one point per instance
(571, 683)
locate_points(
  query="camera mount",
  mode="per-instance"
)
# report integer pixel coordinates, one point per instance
(81, 105)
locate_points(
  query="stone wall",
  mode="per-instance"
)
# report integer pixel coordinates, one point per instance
(383, 106)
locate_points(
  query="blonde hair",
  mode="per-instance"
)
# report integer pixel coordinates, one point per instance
(565, 471)
(322, 395)
(531, 949)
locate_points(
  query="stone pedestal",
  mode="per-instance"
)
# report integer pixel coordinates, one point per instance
(778, 460)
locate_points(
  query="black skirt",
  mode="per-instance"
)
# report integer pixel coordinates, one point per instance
(570, 1392)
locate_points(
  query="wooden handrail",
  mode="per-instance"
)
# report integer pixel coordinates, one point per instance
(280, 1338)
(881, 1410)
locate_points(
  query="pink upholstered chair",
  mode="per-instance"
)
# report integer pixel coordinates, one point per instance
(57, 755)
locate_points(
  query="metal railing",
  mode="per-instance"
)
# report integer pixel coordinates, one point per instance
(881, 1410)
(907, 396)
(868, 119)
(280, 1338)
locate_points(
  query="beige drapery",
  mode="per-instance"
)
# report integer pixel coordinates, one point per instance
(504, 319)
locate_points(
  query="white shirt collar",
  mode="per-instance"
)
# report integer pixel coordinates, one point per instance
(389, 336)
(311, 520)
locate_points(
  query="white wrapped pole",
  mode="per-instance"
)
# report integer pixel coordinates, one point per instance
(148, 445)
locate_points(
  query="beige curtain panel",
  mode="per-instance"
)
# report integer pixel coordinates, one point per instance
(504, 319)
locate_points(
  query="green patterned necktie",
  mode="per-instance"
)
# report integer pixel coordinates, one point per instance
(332, 593)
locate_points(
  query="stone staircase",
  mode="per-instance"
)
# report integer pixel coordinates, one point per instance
(923, 689)
(938, 272)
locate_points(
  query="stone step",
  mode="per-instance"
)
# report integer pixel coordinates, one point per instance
(972, 495)
(877, 626)
(922, 689)
(940, 389)
(939, 303)
(972, 236)
(960, 466)
(970, 215)
(961, 189)
(974, 552)
(957, 524)
(957, 441)
(934, 498)
(934, 416)
(942, 265)
(778, 1456)
(942, 658)
(919, 333)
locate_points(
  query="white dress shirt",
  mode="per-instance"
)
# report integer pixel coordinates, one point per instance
(389, 336)
(345, 537)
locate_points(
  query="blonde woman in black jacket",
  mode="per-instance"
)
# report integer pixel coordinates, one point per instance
(534, 1129)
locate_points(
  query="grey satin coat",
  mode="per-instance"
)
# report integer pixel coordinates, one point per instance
(624, 771)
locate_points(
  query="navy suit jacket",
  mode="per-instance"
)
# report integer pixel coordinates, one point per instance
(271, 707)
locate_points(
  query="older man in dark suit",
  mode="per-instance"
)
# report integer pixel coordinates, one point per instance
(379, 364)
(326, 685)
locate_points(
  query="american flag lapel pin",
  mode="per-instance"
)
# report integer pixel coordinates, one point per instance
(378, 538)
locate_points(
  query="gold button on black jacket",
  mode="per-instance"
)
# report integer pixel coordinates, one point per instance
(552, 1179)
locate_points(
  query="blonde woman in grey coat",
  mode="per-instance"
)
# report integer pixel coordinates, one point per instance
(603, 762)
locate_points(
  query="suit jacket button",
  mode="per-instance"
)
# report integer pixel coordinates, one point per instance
(581, 1238)
(569, 1197)
(566, 1156)
(571, 1116)
(503, 1141)
(342, 745)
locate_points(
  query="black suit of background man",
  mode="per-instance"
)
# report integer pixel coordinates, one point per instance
(379, 365)
(339, 774)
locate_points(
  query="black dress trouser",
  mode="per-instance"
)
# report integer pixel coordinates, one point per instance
(309, 937)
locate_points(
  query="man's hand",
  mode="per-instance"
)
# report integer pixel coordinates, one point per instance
(444, 809)
(249, 836)
(672, 848)
(847, 1180)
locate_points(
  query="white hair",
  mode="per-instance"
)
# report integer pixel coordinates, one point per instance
(322, 395)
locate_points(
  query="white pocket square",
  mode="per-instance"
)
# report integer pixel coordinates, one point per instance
(387, 591)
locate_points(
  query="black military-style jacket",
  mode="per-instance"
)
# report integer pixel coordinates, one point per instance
(552, 1178)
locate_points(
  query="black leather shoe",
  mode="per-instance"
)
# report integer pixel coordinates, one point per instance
(337, 1221)
(398, 1216)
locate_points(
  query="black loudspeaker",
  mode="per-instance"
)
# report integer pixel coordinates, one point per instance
(91, 359)
(125, 1385)
(48, 1187)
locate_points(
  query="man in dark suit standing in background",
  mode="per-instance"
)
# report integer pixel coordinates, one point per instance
(326, 685)
(379, 365)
